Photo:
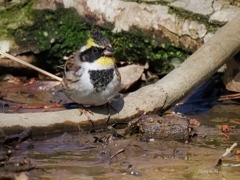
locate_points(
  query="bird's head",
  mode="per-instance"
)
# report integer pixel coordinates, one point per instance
(98, 49)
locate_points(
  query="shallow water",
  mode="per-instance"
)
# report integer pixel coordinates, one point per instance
(77, 156)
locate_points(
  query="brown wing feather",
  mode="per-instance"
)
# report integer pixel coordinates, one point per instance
(71, 68)
(70, 65)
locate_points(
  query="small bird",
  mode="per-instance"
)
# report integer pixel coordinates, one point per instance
(90, 74)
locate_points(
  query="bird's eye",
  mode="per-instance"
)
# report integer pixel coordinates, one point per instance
(95, 50)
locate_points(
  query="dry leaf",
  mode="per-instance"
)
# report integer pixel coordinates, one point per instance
(237, 152)
(194, 122)
(130, 75)
(231, 76)
(225, 128)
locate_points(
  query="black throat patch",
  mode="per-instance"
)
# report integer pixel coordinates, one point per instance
(100, 78)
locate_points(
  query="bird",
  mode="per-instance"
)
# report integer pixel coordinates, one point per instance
(91, 77)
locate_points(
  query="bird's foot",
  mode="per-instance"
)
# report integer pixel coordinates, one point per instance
(86, 112)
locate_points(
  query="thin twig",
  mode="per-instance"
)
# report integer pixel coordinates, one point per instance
(118, 152)
(31, 66)
(228, 150)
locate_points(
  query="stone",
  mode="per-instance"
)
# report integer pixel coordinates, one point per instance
(203, 7)
(5, 45)
(224, 15)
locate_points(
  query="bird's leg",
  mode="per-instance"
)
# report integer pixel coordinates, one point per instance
(109, 115)
(86, 112)
(116, 98)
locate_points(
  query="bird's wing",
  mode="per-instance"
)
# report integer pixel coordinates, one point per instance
(72, 68)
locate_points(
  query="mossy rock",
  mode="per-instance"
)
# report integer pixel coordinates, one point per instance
(54, 34)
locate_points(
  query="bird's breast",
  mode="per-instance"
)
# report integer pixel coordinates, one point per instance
(101, 78)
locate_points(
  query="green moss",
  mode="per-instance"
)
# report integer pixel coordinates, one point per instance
(54, 34)
(139, 47)
(13, 16)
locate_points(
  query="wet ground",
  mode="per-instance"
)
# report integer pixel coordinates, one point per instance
(103, 155)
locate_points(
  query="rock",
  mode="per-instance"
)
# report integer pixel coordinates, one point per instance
(130, 75)
(225, 14)
(156, 127)
(198, 7)
(5, 45)
(231, 76)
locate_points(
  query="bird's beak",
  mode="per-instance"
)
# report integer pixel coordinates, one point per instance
(108, 51)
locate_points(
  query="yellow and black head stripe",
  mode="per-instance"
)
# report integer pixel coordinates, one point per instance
(91, 54)
(99, 38)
